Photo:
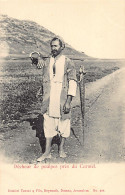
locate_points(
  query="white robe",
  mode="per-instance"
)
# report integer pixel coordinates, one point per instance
(56, 85)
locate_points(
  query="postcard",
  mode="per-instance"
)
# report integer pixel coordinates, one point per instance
(62, 89)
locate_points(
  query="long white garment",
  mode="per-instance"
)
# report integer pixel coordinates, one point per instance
(52, 123)
(54, 126)
(56, 85)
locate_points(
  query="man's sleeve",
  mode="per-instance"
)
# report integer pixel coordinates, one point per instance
(72, 88)
(71, 76)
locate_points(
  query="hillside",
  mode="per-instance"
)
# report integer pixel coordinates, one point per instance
(20, 37)
(19, 80)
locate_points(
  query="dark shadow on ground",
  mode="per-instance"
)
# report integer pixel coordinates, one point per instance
(37, 125)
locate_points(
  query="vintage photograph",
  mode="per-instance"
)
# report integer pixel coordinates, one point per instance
(62, 82)
(62, 89)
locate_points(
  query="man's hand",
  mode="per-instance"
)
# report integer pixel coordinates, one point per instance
(66, 107)
(38, 62)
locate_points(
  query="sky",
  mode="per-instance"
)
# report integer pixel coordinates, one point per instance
(96, 27)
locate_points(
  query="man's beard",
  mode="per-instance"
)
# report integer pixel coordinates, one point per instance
(55, 52)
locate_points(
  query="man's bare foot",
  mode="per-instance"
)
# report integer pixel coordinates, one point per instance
(62, 154)
(43, 157)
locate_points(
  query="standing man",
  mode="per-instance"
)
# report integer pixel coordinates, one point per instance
(59, 87)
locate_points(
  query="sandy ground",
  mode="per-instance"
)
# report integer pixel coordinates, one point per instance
(104, 131)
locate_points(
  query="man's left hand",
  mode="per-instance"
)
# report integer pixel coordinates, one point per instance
(66, 107)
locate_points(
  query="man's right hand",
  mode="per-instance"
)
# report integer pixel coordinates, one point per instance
(40, 63)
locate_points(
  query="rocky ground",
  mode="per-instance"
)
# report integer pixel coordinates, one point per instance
(104, 137)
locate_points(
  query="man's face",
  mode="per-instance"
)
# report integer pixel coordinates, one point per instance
(55, 48)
